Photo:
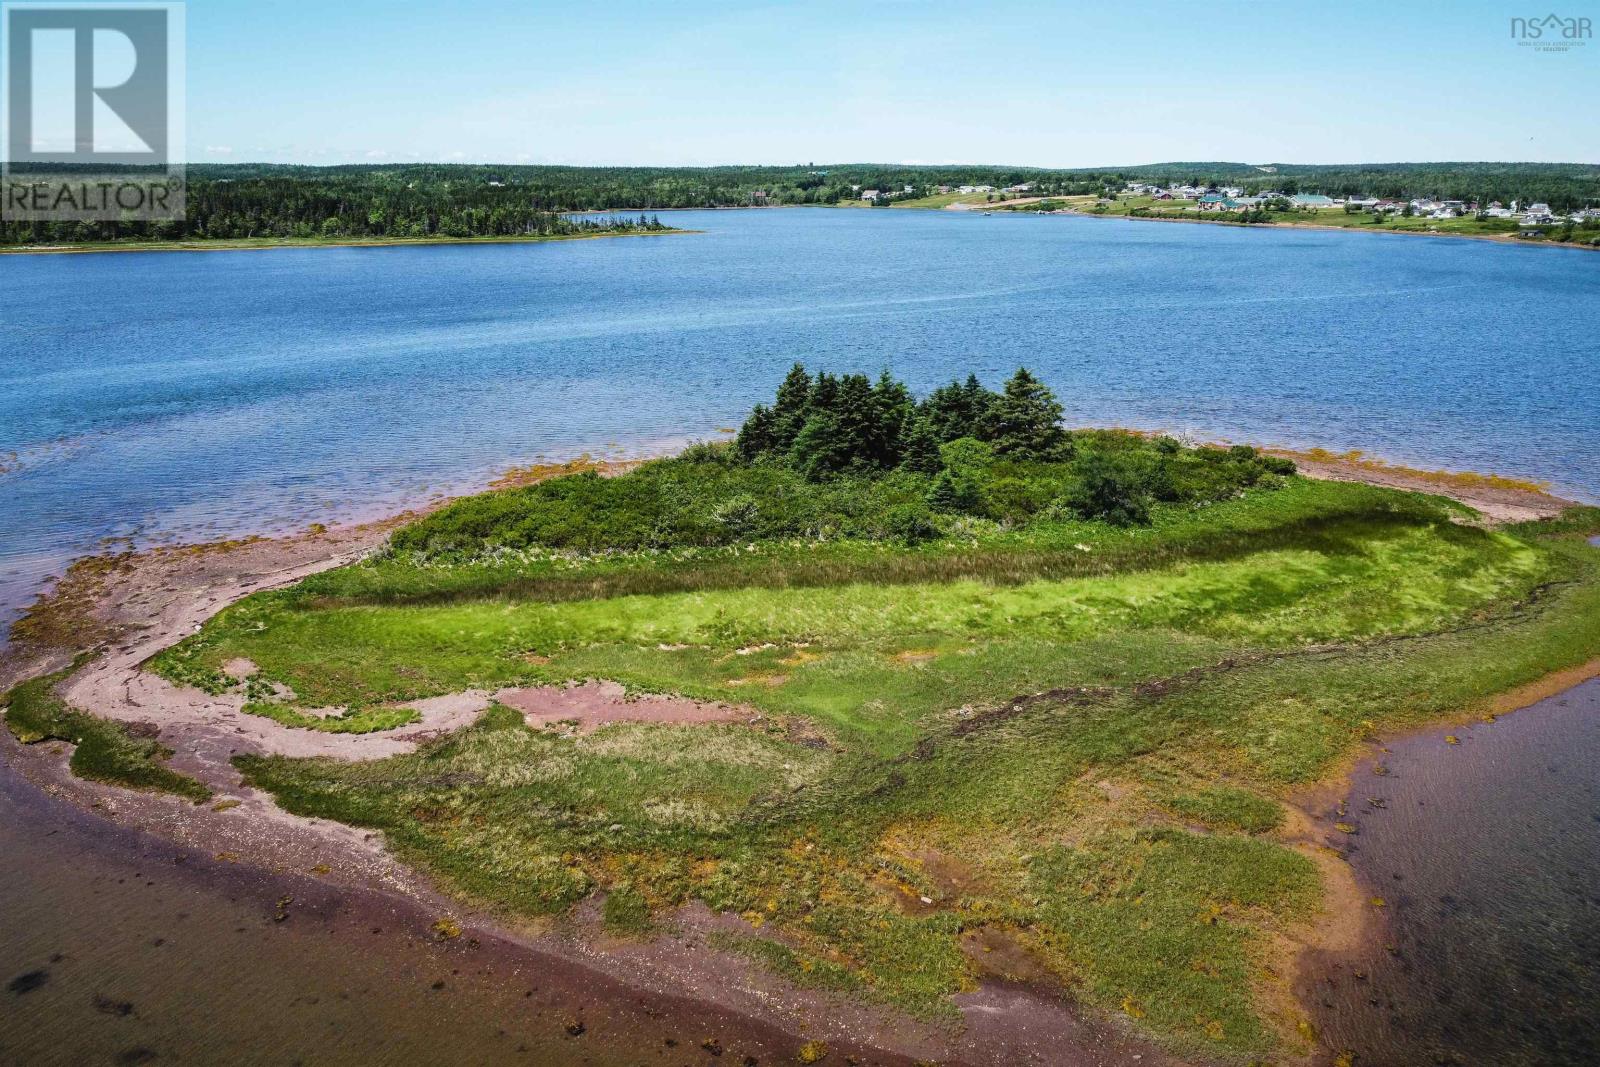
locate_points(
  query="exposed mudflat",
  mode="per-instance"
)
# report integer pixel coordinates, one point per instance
(590, 705)
(1497, 503)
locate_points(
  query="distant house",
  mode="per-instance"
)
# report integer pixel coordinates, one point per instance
(1024, 187)
(871, 194)
(1312, 200)
(1539, 209)
(909, 189)
(1363, 201)
(1389, 207)
(1163, 195)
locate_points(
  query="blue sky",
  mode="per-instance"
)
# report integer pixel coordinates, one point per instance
(322, 81)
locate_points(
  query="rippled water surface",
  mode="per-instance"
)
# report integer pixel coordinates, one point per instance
(118, 948)
(199, 395)
(1487, 856)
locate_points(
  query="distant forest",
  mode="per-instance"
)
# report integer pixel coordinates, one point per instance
(235, 201)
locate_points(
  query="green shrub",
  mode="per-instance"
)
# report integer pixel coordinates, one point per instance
(909, 524)
(1111, 488)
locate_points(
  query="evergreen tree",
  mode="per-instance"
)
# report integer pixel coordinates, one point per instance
(756, 435)
(960, 409)
(821, 448)
(856, 412)
(921, 451)
(1025, 422)
(790, 408)
(894, 409)
(942, 495)
(824, 393)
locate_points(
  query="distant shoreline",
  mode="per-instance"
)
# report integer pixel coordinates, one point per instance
(266, 244)
(1497, 238)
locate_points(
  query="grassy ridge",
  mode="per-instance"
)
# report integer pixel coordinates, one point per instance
(106, 751)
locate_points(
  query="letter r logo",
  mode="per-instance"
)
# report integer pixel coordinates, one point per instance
(87, 85)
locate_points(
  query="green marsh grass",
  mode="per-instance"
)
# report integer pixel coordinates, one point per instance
(105, 751)
(1098, 738)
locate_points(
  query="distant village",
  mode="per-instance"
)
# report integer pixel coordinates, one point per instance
(1234, 198)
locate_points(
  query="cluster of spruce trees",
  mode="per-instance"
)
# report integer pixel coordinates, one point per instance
(825, 424)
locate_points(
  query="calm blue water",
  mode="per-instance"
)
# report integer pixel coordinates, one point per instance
(180, 396)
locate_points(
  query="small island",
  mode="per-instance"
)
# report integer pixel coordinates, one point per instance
(911, 694)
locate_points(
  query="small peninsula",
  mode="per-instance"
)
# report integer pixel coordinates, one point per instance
(908, 695)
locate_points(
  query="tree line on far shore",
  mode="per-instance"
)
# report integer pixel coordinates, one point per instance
(420, 200)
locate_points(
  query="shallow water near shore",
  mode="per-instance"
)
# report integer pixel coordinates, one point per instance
(1486, 854)
(121, 948)
(153, 397)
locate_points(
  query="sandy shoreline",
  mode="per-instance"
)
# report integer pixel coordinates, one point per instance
(138, 605)
(272, 246)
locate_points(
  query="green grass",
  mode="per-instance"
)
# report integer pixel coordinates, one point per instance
(873, 654)
(1067, 734)
(105, 751)
(362, 721)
